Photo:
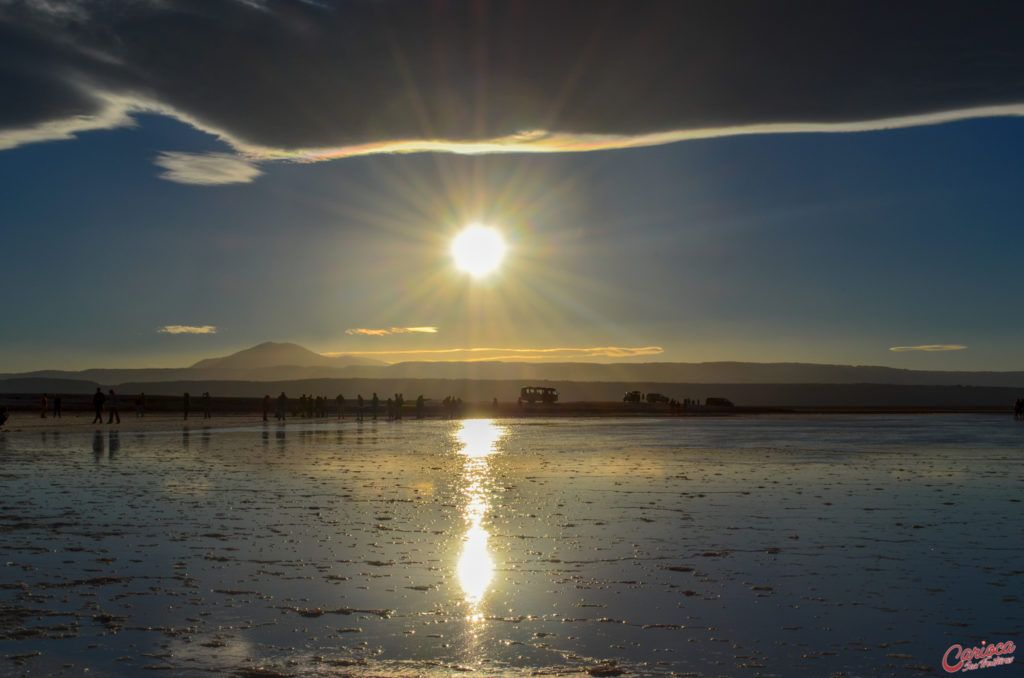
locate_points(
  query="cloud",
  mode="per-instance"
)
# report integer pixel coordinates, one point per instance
(481, 353)
(392, 330)
(208, 169)
(313, 81)
(188, 329)
(107, 112)
(929, 347)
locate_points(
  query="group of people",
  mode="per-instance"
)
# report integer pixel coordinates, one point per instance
(57, 403)
(186, 405)
(308, 405)
(109, 401)
(311, 406)
(452, 406)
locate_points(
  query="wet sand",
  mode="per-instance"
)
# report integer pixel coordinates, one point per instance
(778, 546)
(78, 422)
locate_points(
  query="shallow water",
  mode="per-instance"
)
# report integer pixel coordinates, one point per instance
(775, 546)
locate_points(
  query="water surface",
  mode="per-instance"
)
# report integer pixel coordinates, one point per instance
(773, 546)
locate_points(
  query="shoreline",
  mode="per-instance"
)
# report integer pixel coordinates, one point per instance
(27, 421)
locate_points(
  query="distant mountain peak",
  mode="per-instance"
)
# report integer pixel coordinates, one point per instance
(275, 354)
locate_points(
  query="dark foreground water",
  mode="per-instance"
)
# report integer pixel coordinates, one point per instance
(777, 546)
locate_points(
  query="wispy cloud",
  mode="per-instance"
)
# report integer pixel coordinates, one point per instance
(486, 353)
(929, 347)
(544, 141)
(383, 332)
(208, 169)
(105, 112)
(188, 329)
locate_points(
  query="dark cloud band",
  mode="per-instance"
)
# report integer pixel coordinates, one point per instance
(292, 74)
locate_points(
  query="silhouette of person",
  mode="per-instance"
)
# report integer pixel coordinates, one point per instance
(374, 402)
(140, 405)
(359, 406)
(419, 406)
(206, 405)
(341, 406)
(282, 405)
(266, 406)
(57, 406)
(42, 412)
(186, 403)
(112, 408)
(3, 416)
(97, 403)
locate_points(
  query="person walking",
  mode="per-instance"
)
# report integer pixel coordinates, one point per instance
(42, 412)
(97, 403)
(57, 406)
(341, 406)
(112, 408)
(282, 406)
(206, 405)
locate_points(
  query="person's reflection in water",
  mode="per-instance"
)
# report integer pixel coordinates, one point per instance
(205, 439)
(98, 446)
(113, 444)
(280, 438)
(184, 437)
(266, 438)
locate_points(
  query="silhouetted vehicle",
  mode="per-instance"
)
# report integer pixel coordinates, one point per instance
(533, 394)
(632, 397)
(657, 398)
(718, 402)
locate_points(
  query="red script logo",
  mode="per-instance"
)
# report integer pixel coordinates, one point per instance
(959, 658)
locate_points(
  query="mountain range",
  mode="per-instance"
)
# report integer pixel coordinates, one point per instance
(277, 362)
(283, 367)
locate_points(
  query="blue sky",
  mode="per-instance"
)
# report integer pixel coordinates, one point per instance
(827, 247)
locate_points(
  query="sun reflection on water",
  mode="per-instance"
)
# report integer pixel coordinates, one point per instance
(475, 568)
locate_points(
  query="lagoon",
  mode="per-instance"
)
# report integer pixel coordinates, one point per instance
(773, 546)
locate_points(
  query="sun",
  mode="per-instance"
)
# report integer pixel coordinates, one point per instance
(478, 250)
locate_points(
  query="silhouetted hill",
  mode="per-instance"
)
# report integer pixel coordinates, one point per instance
(711, 373)
(285, 362)
(42, 385)
(271, 354)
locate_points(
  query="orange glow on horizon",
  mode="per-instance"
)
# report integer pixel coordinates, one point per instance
(472, 354)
